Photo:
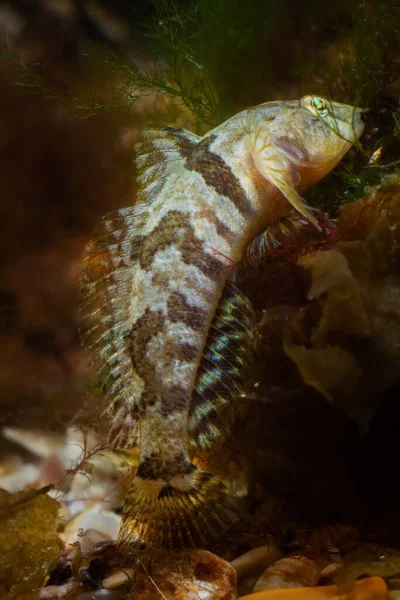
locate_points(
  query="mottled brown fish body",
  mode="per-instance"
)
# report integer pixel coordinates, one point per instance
(182, 265)
(202, 200)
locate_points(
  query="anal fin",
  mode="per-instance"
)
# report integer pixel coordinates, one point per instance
(226, 359)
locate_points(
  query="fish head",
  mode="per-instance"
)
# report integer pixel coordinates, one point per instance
(318, 134)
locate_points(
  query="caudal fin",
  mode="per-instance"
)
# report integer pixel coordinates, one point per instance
(188, 511)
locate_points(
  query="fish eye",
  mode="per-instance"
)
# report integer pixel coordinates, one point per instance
(320, 105)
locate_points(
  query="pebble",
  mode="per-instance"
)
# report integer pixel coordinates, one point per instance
(95, 518)
(24, 476)
(394, 583)
(38, 442)
(193, 575)
(117, 578)
(58, 591)
(257, 557)
(369, 559)
(290, 572)
(330, 570)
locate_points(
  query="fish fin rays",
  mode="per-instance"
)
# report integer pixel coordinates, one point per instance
(187, 512)
(225, 363)
(159, 151)
(106, 284)
(276, 168)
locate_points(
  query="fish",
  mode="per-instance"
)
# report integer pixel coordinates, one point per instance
(169, 327)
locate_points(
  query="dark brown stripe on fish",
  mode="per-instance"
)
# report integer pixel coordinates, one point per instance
(179, 311)
(190, 247)
(218, 175)
(145, 328)
(211, 266)
(178, 139)
(184, 351)
(222, 229)
(174, 398)
(147, 400)
(225, 232)
(157, 467)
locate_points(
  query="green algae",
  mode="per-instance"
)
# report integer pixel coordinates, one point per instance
(29, 542)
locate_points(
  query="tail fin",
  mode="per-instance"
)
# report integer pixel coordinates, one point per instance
(188, 511)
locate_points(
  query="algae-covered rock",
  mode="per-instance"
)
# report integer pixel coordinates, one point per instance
(29, 542)
(328, 309)
(344, 341)
(369, 560)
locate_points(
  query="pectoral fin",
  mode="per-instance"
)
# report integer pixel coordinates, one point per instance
(274, 166)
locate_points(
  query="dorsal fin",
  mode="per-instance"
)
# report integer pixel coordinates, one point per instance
(158, 150)
(106, 289)
(107, 280)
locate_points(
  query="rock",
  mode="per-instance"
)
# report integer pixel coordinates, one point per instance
(294, 571)
(196, 574)
(24, 476)
(246, 585)
(36, 441)
(29, 541)
(257, 557)
(334, 540)
(369, 559)
(117, 578)
(371, 588)
(394, 583)
(330, 571)
(95, 524)
(52, 592)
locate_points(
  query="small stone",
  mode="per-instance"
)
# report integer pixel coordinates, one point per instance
(104, 522)
(330, 570)
(90, 538)
(37, 442)
(291, 572)
(246, 585)
(334, 540)
(25, 476)
(58, 591)
(196, 574)
(117, 578)
(393, 583)
(257, 557)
